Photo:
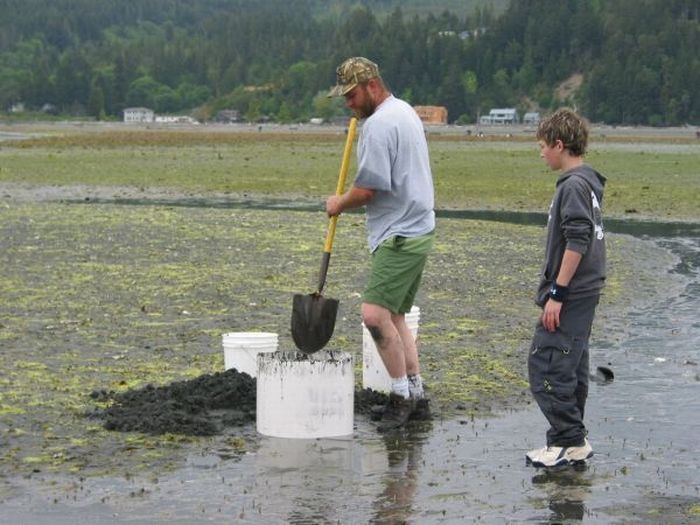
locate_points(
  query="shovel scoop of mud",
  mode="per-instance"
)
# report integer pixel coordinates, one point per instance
(313, 321)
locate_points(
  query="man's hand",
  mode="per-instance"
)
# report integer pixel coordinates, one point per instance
(550, 315)
(353, 198)
(333, 206)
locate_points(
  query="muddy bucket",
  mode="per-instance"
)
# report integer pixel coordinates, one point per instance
(374, 374)
(241, 349)
(305, 395)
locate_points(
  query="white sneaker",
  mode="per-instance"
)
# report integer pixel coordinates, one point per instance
(579, 454)
(533, 456)
(559, 456)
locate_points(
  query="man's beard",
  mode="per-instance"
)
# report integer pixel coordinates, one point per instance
(366, 109)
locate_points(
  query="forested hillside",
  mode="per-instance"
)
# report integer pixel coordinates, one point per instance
(618, 61)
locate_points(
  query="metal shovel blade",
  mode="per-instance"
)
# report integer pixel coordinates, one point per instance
(313, 321)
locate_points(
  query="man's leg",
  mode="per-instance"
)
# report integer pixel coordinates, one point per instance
(421, 410)
(397, 266)
(387, 338)
(410, 350)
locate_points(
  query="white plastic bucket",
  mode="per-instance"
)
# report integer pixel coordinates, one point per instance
(374, 374)
(305, 396)
(241, 349)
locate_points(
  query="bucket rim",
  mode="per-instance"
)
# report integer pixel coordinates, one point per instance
(253, 335)
(296, 356)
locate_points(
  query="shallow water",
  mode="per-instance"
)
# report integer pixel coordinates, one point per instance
(633, 227)
(643, 427)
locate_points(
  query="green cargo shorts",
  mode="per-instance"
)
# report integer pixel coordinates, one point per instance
(397, 268)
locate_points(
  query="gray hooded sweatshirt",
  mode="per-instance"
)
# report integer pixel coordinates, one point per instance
(576, 223)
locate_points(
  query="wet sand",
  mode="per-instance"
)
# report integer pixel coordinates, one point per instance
(104, 298)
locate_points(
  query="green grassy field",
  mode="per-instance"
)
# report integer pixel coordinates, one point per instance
(646, 178)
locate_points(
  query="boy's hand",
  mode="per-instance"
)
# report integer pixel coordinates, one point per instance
(550, 315)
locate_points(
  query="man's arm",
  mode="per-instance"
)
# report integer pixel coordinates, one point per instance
(355, 197)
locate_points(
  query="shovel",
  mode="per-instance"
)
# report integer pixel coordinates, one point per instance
(313, 316)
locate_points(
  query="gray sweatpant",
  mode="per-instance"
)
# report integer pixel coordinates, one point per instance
(558, 371)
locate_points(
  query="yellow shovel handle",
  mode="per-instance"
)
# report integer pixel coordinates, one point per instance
(328, 246)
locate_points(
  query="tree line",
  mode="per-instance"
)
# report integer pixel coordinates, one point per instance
(277, 58)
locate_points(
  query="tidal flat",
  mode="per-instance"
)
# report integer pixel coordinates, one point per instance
(117, 274)
(117, 297)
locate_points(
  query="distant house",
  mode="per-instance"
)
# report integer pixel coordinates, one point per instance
(138, 115)
(474, 33)
(432, 114)
(500, 116)
(175, 119)
(532, 117)
(228, 116)
(49, 109)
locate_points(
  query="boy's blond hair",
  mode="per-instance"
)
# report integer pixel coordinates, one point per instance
(569, 127)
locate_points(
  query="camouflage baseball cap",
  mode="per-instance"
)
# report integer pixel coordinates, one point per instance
(352, 72)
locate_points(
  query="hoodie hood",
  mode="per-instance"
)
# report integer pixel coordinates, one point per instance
(591, 176)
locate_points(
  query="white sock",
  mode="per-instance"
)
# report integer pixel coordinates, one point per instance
(399, 385)
(415, 386)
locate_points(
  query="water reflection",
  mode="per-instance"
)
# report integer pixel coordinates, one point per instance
(395, 504)
(303, 477)
(318, 481)
(565, 492)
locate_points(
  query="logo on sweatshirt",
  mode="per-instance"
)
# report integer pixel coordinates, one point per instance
(597, 218)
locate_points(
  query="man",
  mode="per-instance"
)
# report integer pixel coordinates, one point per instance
(394, 182)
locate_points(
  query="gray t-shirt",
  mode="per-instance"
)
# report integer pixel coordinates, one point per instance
(393, 160)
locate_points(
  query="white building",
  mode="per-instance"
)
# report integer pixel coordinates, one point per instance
(175, 119)
(500, 116)
(138, 115)
(532, 117)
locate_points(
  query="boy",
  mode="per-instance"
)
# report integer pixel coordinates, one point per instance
(571, 282)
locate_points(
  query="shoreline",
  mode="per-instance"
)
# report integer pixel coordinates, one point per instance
(598, 131)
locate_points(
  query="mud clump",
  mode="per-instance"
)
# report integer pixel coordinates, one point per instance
(367, 398)
(203, 406)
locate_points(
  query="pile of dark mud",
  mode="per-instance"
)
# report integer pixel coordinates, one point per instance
(202, 406)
